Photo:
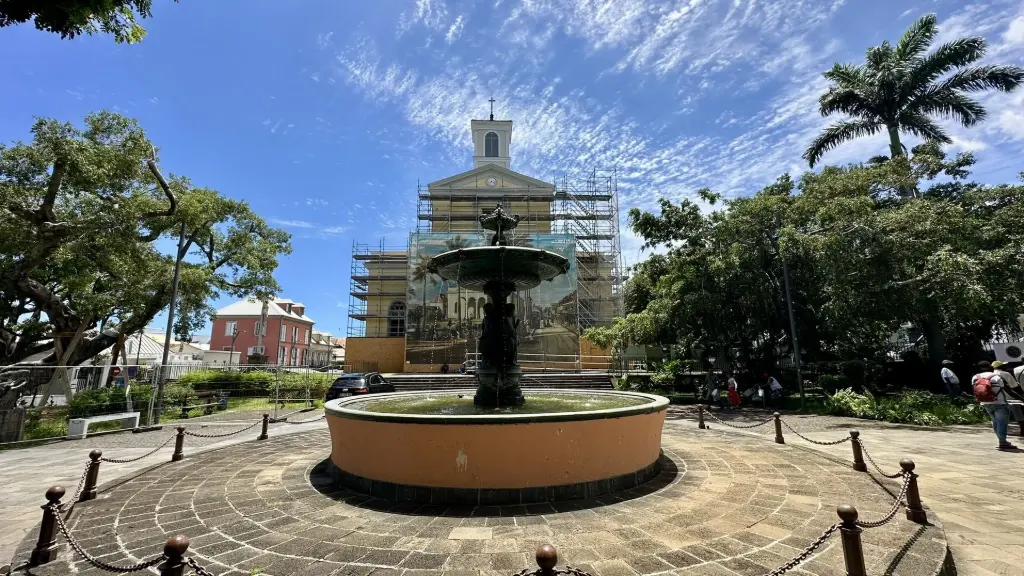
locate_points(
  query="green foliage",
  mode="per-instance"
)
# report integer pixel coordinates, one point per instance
(70, 18)
(912, 407)
(901, 88)
(292, 385)
(83, 212)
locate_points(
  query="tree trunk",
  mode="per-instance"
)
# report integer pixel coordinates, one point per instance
(895, 146)
(931, 327)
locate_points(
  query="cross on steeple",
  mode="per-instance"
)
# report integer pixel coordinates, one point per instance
(492, 107)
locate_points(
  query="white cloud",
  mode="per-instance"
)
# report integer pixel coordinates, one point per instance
(1014, 35)
(455, 30)
(324, 40)
(293, 223)
(429, 13)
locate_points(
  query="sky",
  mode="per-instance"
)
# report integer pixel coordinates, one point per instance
(325, 116)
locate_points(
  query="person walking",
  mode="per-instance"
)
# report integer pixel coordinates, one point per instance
(774, 389)
(949, 379)
(991, 386)
(734, 393)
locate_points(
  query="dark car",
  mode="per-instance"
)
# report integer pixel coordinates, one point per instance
(356, 384)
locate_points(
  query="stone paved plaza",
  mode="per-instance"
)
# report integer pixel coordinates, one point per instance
(733, 503)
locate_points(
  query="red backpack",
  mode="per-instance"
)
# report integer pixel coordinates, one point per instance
(983, 391)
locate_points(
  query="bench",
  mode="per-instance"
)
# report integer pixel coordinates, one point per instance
(78, 428)
(212, 400)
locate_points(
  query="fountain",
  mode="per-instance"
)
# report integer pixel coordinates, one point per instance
(441, 447)
(499, 270)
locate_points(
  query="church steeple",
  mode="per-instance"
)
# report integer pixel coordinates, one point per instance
(491, 140)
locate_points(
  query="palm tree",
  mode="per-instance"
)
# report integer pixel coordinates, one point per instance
(900, 89)
(420, 272)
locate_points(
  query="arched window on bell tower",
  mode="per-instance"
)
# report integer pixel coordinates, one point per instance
(491, 145)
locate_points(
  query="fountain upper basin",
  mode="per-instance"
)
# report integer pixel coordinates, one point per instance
(517, 267)
(498, 457)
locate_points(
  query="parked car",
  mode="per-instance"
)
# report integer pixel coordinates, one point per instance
(355, 384)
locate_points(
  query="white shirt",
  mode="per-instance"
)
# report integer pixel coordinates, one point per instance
(774, 384)
(948, 376)
(1018, 373)
(998, 379)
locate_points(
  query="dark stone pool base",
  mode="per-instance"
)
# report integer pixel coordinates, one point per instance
(401, 493)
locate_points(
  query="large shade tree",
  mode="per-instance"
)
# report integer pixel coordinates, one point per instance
(71, 18)
(83, 223)
(903, 88)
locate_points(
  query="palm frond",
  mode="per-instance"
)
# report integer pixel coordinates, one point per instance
(989, 77)
(949, 56)
(950, 103)
(846, 75)
(917, 38)
(844, 100)
(922, 126)
(836, 134)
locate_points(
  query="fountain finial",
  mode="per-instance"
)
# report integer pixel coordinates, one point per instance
(500, 222)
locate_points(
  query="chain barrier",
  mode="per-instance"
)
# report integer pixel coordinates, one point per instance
(67, 506)
(867, 454)
(837, 442)
(287, 414)
(199, 570)
(806, 552)
(249, 427)
(137, 458)
(56, 510)
(320, 417)
(741, 426)
(892, 512)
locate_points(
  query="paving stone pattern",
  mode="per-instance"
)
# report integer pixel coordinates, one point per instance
(732, 505)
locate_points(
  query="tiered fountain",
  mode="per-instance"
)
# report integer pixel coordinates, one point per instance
(500, 447)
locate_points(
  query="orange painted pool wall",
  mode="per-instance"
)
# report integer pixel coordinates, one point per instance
(495, 455)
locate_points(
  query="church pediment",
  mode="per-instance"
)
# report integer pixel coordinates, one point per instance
(490, 177)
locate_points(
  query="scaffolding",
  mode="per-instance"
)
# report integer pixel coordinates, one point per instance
(587, 207)
(378, 277)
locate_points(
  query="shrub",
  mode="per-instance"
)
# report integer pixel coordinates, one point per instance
(912, 407)
(832, 383)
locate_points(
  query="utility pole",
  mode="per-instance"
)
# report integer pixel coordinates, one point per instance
(789, 307)
(170, 325)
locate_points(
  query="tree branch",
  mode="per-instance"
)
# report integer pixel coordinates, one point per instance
(60, 168)
(173, 208)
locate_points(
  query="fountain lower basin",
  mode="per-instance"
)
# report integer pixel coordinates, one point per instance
(498, 457)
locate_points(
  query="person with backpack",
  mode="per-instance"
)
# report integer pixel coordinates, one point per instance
(991, 387)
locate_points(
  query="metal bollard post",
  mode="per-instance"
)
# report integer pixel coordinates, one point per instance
(778, 429)
(915, 512)
(175, 551)
(700, 417)
(547, 558)
(266, 422)
(853, 550)
(89, 490)
(858, 454)
(179, 445)
(46, 545)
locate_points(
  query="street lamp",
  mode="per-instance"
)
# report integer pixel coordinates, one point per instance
(234, 336)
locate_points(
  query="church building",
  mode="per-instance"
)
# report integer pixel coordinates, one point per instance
(404, 319)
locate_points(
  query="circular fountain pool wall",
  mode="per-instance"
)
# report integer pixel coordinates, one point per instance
(435, 447)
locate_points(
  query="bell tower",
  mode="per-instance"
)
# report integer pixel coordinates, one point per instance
(491, 140)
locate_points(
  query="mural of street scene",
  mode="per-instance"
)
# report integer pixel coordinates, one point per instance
(443, 320)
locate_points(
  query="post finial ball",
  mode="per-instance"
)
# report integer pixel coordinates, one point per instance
(907, 464)
(547, 557)
(176, 546)
(95, 454)
(854, 434)
(847, 513)
(54, 493)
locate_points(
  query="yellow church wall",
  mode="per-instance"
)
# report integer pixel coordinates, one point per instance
(387, 353)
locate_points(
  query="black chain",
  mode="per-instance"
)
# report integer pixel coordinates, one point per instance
(67, 506)
(864, 451)
(199, 570)
(719, 420)
(137, 458)
(198, 435)
(786, 424)
(892, 512)
(805, 554)
(55, 509)
(320, 417)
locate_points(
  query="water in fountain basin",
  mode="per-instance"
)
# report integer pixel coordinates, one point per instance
(442, 404)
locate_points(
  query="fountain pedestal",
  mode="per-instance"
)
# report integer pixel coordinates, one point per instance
(499, 270)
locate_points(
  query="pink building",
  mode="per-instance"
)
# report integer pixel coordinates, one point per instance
(286, 337)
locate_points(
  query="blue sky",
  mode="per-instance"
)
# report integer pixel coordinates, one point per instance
(324, 117)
